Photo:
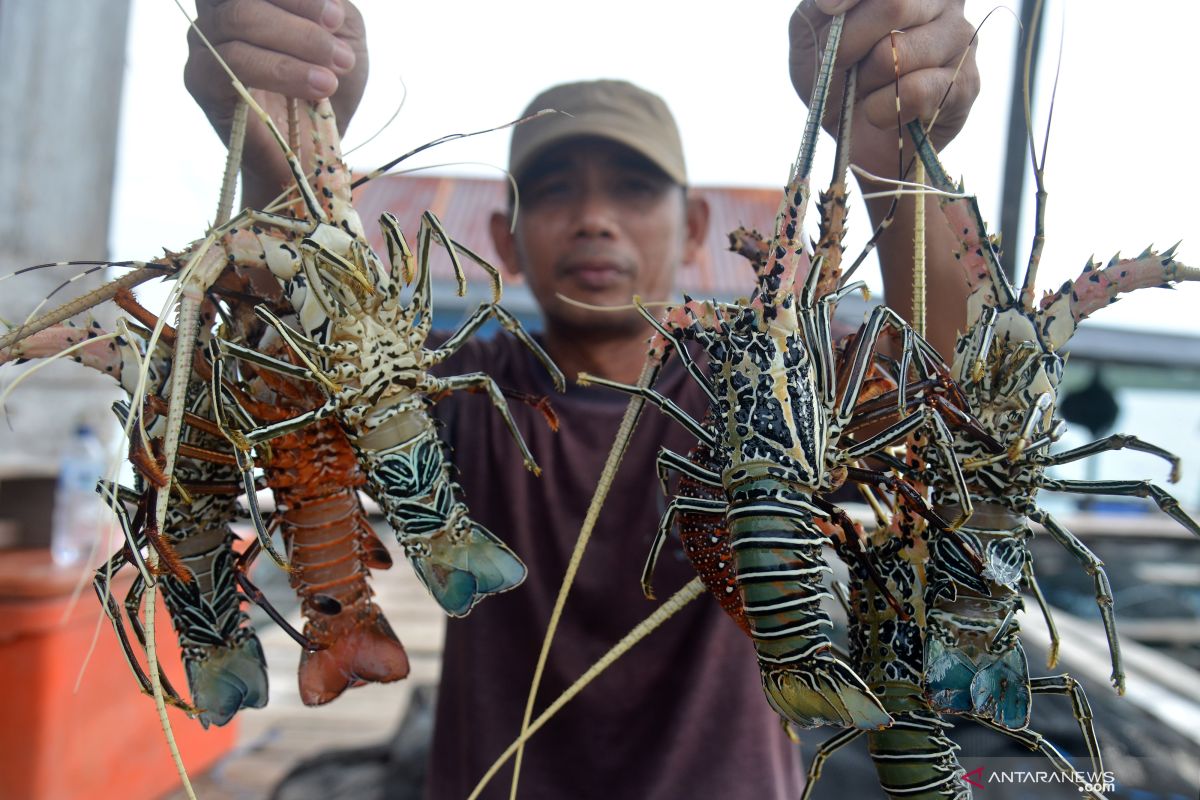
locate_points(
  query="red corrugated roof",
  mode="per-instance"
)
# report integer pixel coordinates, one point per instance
(464, 205)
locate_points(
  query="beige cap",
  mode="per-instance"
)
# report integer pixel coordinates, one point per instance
(615, 110)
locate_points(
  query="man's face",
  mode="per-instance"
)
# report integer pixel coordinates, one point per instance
(598, 223)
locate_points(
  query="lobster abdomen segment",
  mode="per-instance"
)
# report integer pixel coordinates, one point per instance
(779, 568)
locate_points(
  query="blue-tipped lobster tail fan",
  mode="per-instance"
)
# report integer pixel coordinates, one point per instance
(227, 680)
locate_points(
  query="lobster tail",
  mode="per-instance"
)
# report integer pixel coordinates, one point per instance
(777, 558)
(822, 690)
(363, 649)
(914, 758)
(227, 679)
(461, 569)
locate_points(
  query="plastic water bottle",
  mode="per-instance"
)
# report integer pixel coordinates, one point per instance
(79, 513)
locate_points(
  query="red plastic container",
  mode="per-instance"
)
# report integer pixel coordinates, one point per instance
(104, 740)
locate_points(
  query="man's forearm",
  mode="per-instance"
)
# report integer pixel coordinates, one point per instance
(946, 287)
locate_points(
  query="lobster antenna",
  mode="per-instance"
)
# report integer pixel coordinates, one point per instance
(615, 456)
(886, 222)
(142, 272)
(449, 137)
(917, 311)
(832, 203)
(802, 168)
(233, 162)
(384, 126)
(622, 307)
(1039, 225)
(512, 182)
(903, 187)
(690, 591)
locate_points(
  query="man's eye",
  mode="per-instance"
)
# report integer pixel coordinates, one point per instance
(542, 190)
(639, 186)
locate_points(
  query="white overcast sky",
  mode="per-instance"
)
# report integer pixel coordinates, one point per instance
(1123, 169)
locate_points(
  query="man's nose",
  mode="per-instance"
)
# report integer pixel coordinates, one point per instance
(595, 216)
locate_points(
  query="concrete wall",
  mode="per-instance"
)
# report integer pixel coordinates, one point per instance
(63, 66)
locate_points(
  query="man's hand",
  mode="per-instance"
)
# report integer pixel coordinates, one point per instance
(935, 37)
(307, 49)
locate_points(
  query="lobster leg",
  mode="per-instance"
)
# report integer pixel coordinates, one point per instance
(432, 226)
(400, 255)
(1165, 501)
(482, 382)
(670, 460)
(685, 357)
(133, 548)
(219, 348)
(1031, 582)
(928, 420)
(1080, 708)
(1118, 441)
(255, 594)
(510, 324)
(132, 601)
(665, 405)
(827, 749)
(1038, 743)
(1104, 597)
(865, 350)
(689, 505)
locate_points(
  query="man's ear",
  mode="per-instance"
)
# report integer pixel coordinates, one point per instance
(697, 212)
(505, 242)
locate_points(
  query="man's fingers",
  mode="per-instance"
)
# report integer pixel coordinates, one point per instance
(871, 21)
(277, 72)
(868, 25)
(940, 43)
(921, 96)
(274, 27)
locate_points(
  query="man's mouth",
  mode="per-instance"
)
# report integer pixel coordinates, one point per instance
(595, 275)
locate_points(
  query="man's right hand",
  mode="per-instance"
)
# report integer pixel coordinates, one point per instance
(307, 49)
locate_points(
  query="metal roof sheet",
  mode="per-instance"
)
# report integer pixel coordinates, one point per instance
(464, 205)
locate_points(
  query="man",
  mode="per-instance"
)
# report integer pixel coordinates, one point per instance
(605, 214)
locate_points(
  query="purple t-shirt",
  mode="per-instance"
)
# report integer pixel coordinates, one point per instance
(682, 714)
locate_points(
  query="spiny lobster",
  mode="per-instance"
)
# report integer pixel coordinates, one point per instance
(314, 476)
(364, 346)
(1009, 364)
(200, 570)
(779, 411)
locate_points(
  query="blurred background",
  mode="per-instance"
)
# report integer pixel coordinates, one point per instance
(104, 155)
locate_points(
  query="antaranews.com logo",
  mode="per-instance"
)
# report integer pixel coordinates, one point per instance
(980, 777)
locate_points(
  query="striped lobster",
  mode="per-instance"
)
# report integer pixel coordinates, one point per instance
(774, 438)
(914, 757)
(1008, 365)
(363, 345)
(199, 569)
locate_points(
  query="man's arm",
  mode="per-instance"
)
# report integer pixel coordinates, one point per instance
(936, 35)
(307, 49)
